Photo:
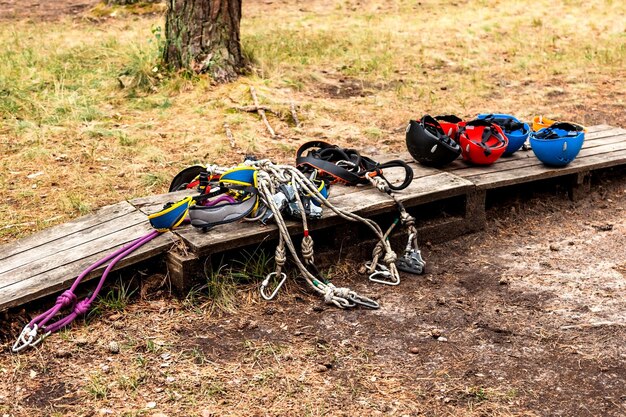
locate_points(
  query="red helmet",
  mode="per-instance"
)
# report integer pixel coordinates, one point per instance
(482, 142)
(450, 125)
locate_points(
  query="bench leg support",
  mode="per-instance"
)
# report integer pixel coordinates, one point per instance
(183, 269)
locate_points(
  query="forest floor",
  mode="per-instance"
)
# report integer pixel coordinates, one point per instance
(527, 318)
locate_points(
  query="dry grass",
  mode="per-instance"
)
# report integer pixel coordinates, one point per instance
(86, 103)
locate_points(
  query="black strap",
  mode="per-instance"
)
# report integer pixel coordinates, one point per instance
(325, 158)
(507, 124)
(450, 118)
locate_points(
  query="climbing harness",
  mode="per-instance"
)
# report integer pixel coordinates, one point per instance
(39, 328)
(482, 142)
(347, 166)
(516, 132)
(559, 144)
(428, 143)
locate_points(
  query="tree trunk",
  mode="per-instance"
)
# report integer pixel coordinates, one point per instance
(203, 36)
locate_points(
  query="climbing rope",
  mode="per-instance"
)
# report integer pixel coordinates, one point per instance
(270, 177)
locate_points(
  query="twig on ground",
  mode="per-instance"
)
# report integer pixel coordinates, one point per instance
(596, 324)
(261, 111)
(229, 135)
(294, 115)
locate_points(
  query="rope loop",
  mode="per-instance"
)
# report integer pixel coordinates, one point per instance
(66, 299)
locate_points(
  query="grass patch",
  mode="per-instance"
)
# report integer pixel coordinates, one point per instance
(92, 91)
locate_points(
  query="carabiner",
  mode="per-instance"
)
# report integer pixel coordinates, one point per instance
(22, 343)
(364, 301)
(382, 271)
(265, 283)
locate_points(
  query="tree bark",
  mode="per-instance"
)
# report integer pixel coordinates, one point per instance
(203, 36)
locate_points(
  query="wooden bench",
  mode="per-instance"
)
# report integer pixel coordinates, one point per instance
(47, 262)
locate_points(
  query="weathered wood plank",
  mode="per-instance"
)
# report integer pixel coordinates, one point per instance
(459, 167)
(61, 278)
(61, 231)
(538, 172)
(368, 201)
(74, 240)
(529, 159)
(68, 256)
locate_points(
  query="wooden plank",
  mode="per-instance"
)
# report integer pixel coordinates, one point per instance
(613, 136)
(529, 159)
(368, 201)
(49, 262)
(59, 232)
(74, 240)
(538, 172)
(533, 161)
(61, 278)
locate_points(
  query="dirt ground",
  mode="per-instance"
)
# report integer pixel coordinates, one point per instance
(525, 318)
(42, 10)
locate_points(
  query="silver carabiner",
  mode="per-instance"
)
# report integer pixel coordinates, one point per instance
(265, 283)
(22, 342)
(381, 271)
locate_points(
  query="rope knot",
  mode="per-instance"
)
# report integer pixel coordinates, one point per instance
(329, 294)
(280, 257)
(67, 298)
(343, 292)
(307, 248)
(82, 307)
(390, 257)
(407, 219)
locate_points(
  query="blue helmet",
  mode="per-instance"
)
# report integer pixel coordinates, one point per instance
(559, 144)
(516, 131)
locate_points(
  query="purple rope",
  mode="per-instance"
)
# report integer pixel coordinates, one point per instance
(68, 297)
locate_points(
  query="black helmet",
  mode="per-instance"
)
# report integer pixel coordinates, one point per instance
(428, 144)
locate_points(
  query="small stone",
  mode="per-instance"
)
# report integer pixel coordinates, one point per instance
(177, 328)
(151, 405)
(554, 248)
(105, 369)
(119, 325)
(414, 350)
(114, 347)
(33, 374)
(321, 368)
(441, 301)
(436, 333)
(81, 341)
(105, 411)
(62, 354)
(503, 281)
(442, 339)
(115, 317)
